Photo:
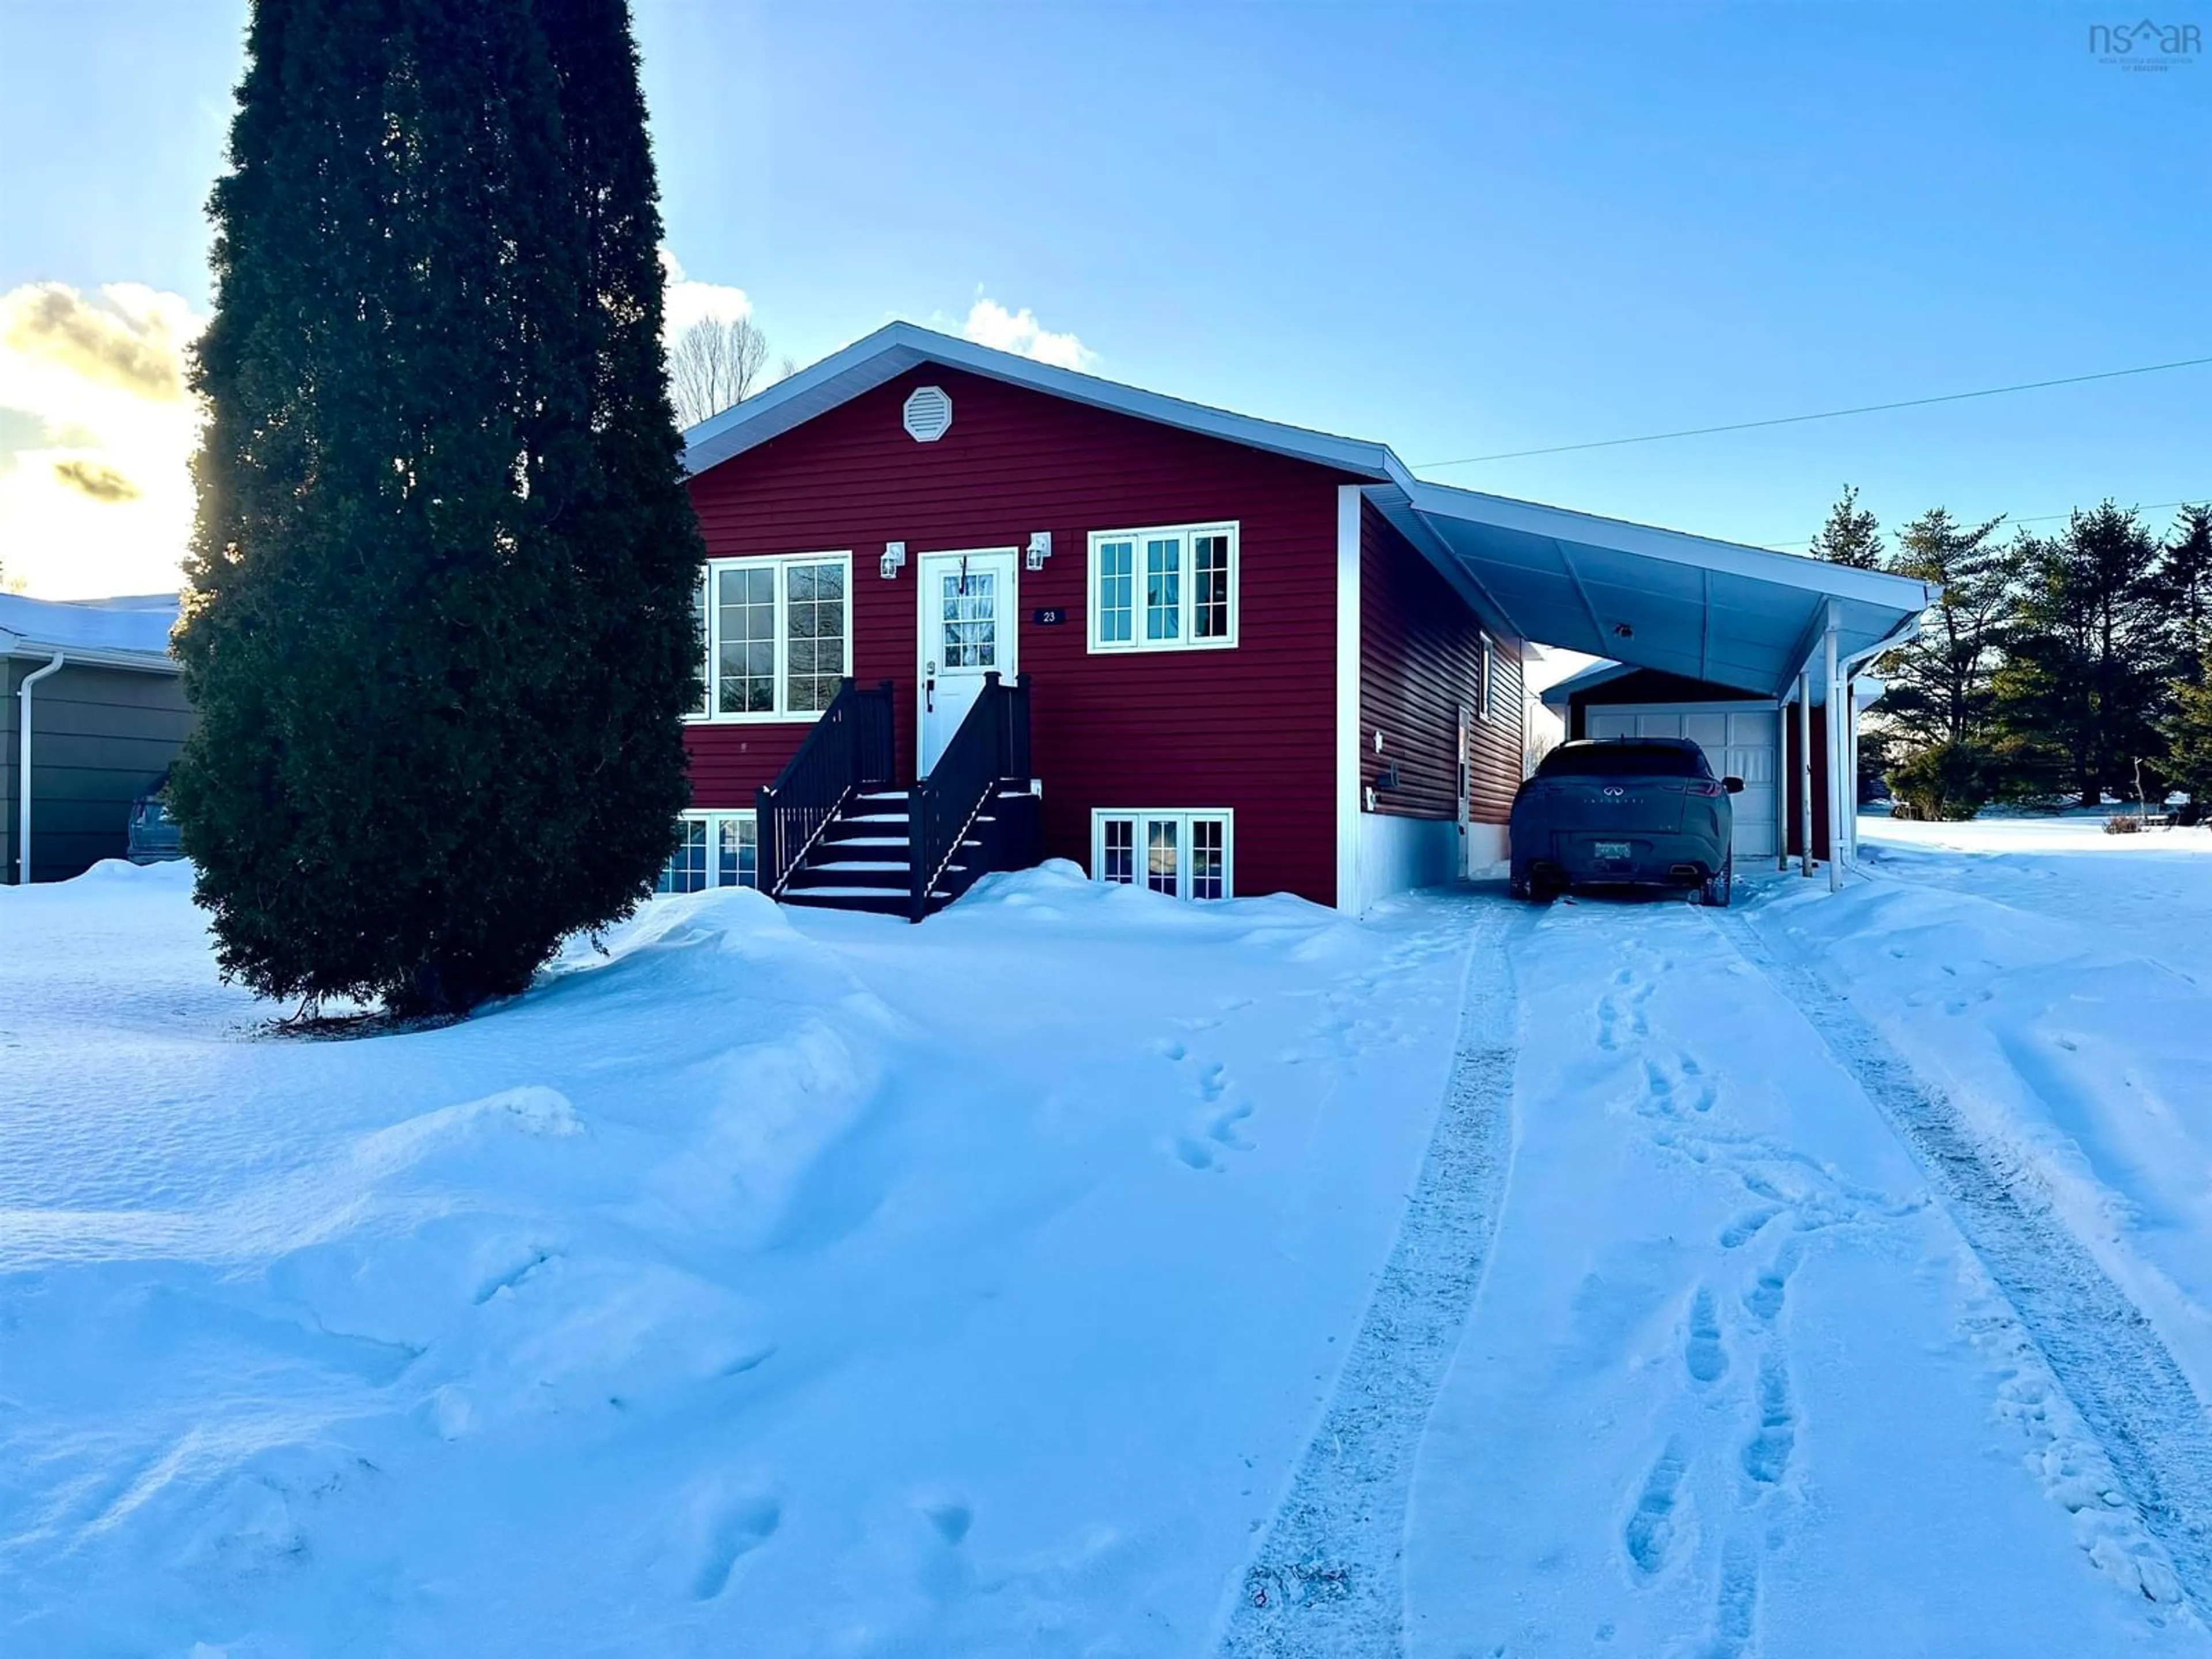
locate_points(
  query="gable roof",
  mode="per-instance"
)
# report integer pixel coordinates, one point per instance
(1686, 604)
(894, 349)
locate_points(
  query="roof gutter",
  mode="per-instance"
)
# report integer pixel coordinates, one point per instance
(89, 656)
(23, 767)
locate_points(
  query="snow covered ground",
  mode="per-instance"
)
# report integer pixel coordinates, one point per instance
(1082, 1272)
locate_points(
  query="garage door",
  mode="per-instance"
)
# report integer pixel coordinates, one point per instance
(1739, 742)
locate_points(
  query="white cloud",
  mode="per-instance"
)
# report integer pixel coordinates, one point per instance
(991, 323)
(687, 302)
(97, 431)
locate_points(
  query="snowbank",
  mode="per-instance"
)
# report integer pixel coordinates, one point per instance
(855, 1288)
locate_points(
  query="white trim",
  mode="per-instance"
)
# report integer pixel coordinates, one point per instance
(1010, 637)
(1183, 817)
(898, 348)
(780, 564)
(1187, 588)
(1348, 897)
(713, 818)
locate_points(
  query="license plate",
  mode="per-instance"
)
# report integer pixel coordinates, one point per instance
(1611, 850)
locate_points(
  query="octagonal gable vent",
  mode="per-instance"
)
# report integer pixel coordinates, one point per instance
(928, 413)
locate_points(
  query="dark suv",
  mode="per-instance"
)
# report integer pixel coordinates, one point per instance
(154, 835)
(1627, 811)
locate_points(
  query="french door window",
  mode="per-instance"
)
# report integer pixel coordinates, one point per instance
(1184, 854)
(778, 634)
(712, 849)
(1168, 588)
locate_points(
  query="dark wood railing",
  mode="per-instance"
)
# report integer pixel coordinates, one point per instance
(969, 796)
(849, 749)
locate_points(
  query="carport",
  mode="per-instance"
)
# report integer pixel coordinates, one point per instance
(1777, 629)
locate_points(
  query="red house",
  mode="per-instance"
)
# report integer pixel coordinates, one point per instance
(964, 611)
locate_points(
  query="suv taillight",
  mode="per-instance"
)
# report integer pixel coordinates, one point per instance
(1706, 786)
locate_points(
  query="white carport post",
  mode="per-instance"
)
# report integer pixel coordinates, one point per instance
(1852, 755)
(1805, 770)
(1781, 786)
(1837, 698)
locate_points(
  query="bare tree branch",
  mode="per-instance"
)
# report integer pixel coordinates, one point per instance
(715, 365)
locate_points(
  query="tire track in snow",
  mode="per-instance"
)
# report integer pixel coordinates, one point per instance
(2104, 1353)
(1328, 1577)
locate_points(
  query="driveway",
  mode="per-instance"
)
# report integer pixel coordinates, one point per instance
(1712, 1330)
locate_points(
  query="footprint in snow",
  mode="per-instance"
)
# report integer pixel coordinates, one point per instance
(1224, 1127)
(1763, 1299)
(735, 1529)
(1746, 1227)
(1767, 1455)
(1701, 1352)
(1195, 1153)
(1655, 1524)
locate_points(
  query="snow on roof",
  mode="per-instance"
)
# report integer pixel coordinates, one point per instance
(125, 631)
(1691, 605)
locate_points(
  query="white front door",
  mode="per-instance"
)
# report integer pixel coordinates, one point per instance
(967, 630)
(1739, 742)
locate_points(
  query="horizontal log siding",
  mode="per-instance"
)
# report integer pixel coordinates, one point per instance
(1250, 728)
(1420, 662)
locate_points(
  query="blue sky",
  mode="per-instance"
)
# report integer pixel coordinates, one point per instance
(1461, 229)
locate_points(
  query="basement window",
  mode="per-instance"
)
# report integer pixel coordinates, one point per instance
(1185, 854)
(712, 849)
(1172, 587)
(778, 634)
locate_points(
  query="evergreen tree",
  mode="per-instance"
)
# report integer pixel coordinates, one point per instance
(1851, 535)
(2080, 688)
(2185, 591)
(440, 626)
(2189, 737)
(1939, 682)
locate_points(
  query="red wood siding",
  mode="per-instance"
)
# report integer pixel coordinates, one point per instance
(1250, 728)
(1419, 662)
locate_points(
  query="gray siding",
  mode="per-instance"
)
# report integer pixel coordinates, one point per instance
(10, 672)
(100, 737)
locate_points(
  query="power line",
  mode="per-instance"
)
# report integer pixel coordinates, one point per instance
(2039, 518)
(1825, 414)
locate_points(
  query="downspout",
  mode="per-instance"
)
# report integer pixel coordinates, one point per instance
(23, 768)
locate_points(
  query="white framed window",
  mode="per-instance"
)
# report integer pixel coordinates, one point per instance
(1187, 854)
(1171, 587)
(714, 849)
(779, 635)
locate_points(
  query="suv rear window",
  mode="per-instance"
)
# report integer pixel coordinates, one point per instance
(1624, 760)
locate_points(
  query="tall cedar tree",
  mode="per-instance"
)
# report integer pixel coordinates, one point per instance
(2078, 699)
(440, 626)
(1851, 536)
(1939, 683)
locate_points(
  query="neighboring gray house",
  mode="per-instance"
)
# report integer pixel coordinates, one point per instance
(96, 713)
